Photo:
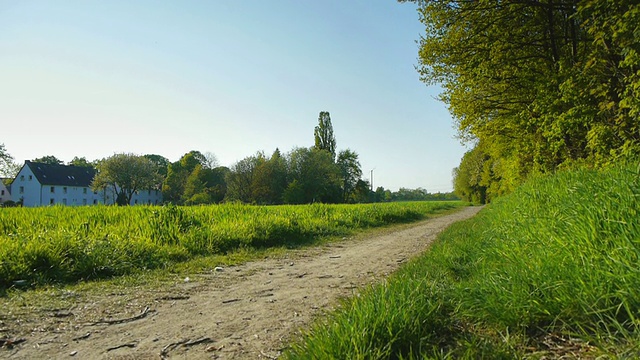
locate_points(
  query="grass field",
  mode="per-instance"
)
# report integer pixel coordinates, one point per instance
(40, 246)
(551, 271)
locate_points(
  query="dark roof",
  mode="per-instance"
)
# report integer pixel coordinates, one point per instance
(67, 175)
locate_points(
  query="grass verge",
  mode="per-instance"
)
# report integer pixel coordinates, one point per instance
(61, 245)
(550, 271)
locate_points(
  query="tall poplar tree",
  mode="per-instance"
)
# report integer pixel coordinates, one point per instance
(323, 133)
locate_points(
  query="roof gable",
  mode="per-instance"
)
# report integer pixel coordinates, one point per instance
(67, 175)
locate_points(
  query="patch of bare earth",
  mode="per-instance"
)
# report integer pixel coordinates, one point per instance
(241, 312)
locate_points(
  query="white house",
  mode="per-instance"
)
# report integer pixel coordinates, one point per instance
(39, 184)
(5, 192)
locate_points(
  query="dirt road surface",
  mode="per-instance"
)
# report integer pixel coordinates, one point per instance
(240, 312)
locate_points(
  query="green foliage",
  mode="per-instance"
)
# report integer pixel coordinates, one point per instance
(49, 159)
(8, 168)
(558, 258)
(161, 162)
(125, 174)
(193, 180)
(67, 244)
(539, 84)
(80, 162)
(350, 173)
(323, 134)
(316, 174)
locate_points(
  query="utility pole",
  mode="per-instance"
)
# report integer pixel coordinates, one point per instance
(372, 178)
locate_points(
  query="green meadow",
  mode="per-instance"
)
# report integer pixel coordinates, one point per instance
(59, 245)
(550, 271)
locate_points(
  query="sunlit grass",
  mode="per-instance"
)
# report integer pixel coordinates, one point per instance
(40, 246)
(558, 259)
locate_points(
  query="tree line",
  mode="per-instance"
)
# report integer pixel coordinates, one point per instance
(534, 86)
(320, 173)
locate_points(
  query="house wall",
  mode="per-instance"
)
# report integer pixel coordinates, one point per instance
(26, 187)
(141, 197)
(69, 195)
(5, 195)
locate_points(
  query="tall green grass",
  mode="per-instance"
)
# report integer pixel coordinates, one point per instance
(67, 244)
(559, 256)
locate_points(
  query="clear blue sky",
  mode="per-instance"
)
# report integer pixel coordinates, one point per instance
(94, 78)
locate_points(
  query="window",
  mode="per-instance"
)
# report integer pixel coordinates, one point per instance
(95, 192)
(53, 189)
(64, 190)
(156, 192)
(84, 190)
(95, 201)
(84, 201)
(136, 201)
(21, 190)
(149, 192)
(64, 201)
(51, 201)
(21, 177)
(30, 177)
(2, 192)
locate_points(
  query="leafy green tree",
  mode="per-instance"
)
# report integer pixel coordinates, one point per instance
(540, 84)
(316, 174)
(270, 180)
(8, 168)
(350, 173)
(177, 174)
(323, 134)
(194, 189)
(80, 162)
(205, 186)
(240, 178)
(467, 178)
(49, 159)
(124, 174)
(162, 163)
(362, 192)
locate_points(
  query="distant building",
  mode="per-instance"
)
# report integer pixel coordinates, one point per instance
(5, 191)
(39, 184)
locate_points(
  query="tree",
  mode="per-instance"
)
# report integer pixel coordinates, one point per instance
(80, 162)
(8, 168)
(362, 192)
(467, 178)
(240, 178)
(162, 163)
(48, 159)
(205, 186)
(210, 160)
(177, 175)
(350, 172)
(541, 84)
(270, 180)
(316, 176)
(125, 174)
(323, 133)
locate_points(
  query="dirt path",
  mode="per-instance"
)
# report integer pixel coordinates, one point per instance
(241, 312)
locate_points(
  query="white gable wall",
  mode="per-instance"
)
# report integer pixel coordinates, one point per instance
(26, 188)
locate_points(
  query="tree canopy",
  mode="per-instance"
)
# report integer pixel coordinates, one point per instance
(323, 134)
(125, 174)
(536, 85)
(8, 168)
(48, 159)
